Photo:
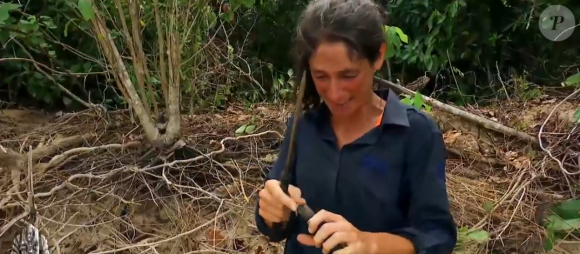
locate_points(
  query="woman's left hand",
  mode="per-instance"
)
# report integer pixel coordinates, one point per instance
(336, 230)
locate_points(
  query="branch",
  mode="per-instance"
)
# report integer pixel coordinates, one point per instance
(133, 169)
(112, 54)
(144, 243)
(61, 87)
(15, 163)
(174, 93)
(65, 72)
(541, 131)
(136, 63)
(141, 61)
(44, 151)
(161, 44)
(486, 123)
(63, 157)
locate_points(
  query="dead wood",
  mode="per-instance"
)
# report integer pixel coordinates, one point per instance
(486, 123)
(84, 189)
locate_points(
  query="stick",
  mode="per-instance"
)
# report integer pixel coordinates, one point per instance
(486, 123)
(31, 188)
(144, 243)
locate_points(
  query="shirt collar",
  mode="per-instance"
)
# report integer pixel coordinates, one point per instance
(395, 112)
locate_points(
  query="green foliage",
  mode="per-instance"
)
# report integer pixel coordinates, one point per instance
(395, 38)
(282, 86)
(467, 236)
(53, 38)
(479, 38)
(5, 9)
(248, 128)
(563, 220)
(86, 9)
(574, 81)
(427, 49)
(416, 101)
(465, 43)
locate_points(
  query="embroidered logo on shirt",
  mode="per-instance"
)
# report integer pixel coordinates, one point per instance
(374, 164)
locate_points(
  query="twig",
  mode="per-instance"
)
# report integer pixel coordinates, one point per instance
(51, 149)
(31, 208)
(486, 123)
(501, 82)
(53, 70)
(540, 132)
(141, 245)
(12, 222)
(58, 159)
(137, 170)
(223, 148)
(61, 87)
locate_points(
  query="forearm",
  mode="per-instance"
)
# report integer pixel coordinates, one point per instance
(385, 243)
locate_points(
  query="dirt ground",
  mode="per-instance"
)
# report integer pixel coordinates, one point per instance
(115, 195)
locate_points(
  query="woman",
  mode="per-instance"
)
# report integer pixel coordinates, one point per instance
(372, 167)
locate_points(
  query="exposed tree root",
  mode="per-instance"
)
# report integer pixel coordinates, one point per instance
(116, 185)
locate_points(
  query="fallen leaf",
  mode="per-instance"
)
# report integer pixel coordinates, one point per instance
(451, 136)
(496, 179)
(215, 237)
(510, 155)
(522, 162)
(269, 158)
(242, 118)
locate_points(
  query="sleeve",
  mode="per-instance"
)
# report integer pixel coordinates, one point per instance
(277, 235)
(432, 229)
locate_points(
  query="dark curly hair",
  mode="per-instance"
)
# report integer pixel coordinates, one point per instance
(357, 23)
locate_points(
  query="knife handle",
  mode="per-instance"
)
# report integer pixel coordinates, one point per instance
(306, 213)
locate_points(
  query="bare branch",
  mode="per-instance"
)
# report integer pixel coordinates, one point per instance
(174, 93)
(136, 61)
(140, 61)
(161, 44)
(112, 54)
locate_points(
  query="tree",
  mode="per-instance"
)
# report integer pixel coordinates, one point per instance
(141, 97)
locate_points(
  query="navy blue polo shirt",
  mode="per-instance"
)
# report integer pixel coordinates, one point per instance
(392, 179)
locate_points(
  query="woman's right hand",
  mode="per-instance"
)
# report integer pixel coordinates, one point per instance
(275, 206)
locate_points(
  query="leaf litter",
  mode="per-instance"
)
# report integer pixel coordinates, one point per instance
(115, 196)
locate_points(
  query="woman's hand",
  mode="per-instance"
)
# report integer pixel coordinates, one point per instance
(275, 206)
(334, 231)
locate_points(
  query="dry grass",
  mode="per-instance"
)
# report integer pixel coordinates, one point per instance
(115, 194)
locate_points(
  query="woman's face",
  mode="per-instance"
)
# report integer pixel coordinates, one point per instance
(343, 81)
